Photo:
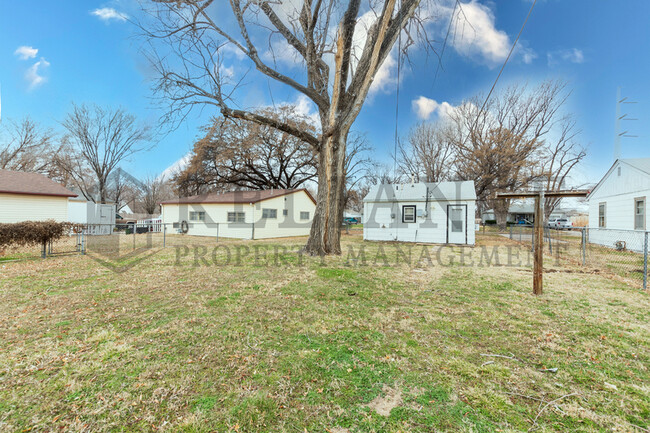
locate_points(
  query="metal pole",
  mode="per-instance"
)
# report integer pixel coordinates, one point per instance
(135, 228)
(645, 261)
(511, 233)
(584, 246)
(217, 232)
(164, 236)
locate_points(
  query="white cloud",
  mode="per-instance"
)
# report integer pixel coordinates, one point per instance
(178, 166)
(282, 52)
(33, 74)
(571, 55)
(425, 107)
(474, 34)
(24, 52)
(527, 55)
(108, 14)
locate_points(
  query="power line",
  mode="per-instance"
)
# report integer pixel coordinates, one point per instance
(514, 44)
(399, 64)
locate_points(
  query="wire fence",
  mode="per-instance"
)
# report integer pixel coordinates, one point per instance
(619, 252)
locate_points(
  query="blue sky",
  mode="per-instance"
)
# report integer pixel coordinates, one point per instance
(83, 51)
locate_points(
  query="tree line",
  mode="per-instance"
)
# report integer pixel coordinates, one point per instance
(86, 155)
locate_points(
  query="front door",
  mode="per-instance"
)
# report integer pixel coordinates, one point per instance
(457, 224)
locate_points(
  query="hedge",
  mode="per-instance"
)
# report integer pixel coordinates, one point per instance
(28, 233)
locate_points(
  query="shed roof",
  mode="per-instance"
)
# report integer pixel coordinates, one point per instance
(20, 182)
(439, 191)
(238, 197)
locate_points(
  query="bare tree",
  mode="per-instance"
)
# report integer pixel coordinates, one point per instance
(25, 146)
(155, 191)
(336, 71)
(427, 154)
(558, 159)
(100, 139)
(500, 146)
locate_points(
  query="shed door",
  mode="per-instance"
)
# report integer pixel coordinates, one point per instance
(457, 224)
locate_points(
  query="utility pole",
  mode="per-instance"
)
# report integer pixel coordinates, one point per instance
(619, 117)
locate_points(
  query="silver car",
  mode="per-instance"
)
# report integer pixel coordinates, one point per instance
(560, 224)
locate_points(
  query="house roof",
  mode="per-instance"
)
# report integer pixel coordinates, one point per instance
(439, 191)
(641, 164)
(236, 197)
(19, 182)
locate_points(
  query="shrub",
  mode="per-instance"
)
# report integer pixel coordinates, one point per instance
(29, 233)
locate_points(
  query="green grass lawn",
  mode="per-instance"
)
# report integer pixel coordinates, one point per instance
(329, 345)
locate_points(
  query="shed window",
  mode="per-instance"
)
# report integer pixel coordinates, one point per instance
(408, 214)
(197, 216)
(304, 215)
(269, 213)
(285, 212)
(236, 217)
(601, 214)
(639, 213)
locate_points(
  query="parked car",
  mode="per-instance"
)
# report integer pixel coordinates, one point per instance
(560, 224)
(524, 221)
(350, 221)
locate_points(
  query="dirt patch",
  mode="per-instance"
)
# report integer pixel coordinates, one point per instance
(383, 405)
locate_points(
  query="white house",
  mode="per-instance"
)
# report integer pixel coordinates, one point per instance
(32, 197)
(619, 202)
(242, 214)
(440, 212)
(98, 218)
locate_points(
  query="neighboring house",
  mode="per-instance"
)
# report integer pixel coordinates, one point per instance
(32, 197)
(98, 218)
(242, 214)
(440, 212)
(521, 211)
(619, 202)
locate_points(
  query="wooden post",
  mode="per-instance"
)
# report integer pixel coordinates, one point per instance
(538, 228)
(538, 233)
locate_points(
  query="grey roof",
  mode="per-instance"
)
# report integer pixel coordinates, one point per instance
(439, 191)
(642, 164)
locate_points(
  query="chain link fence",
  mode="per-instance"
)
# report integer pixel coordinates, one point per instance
(619, 252)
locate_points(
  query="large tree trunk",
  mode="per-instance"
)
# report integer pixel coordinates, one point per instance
(501, 212)
(325, 235)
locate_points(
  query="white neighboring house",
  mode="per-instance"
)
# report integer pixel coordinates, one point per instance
(440, 212)
(619, 202)
(242, 214)
(32, 197)
(98, 218)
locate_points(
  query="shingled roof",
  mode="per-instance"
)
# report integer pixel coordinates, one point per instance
(19, 182)
(236, 197)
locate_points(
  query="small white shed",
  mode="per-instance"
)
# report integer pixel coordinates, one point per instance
(441, 212)
(98, 218)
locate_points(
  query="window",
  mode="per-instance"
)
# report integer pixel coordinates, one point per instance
(457, 220)
(270, 213)
(197, 216)
(408, 214)
(639, 213)
(285, 212)
(236, 217)
(304, 215)
(619, 170)
(601, 214)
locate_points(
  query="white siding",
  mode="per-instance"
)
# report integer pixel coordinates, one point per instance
(23, 207)
(216, 218)
(383, 221)
(618, 192)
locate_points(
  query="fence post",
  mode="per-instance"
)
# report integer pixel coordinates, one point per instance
(135, 229)
(217, 232)
(164, 236)
(645, 261)
(510, 232)
(584, 246)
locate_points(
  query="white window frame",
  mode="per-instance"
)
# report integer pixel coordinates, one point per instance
(197, 215)
(269, 214)
(236, 217)
(411, 218)
(603, 206)
(636, 202)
